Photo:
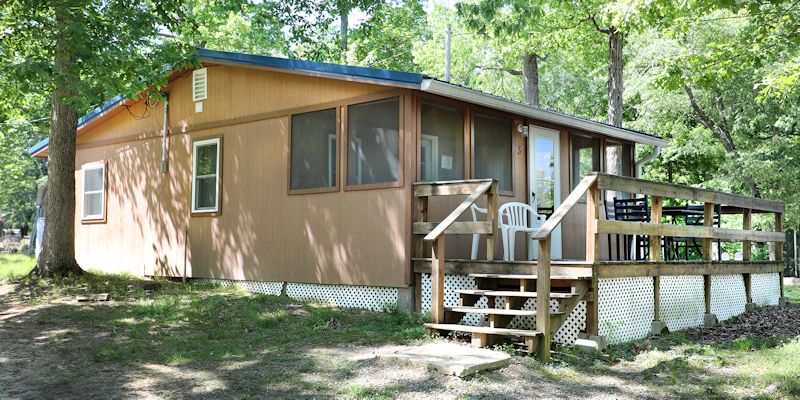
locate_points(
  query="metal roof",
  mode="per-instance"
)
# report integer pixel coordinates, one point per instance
(394, 78)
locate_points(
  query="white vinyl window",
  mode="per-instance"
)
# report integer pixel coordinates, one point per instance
(94, 196)
(205, 176)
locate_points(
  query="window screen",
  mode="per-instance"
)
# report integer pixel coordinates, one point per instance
(313, 152)
(493, 149)
(373, 136)
(206, 176)
(93, 192)
(585, 157)
(442, 142)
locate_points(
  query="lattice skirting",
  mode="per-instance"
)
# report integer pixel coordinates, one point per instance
(625, 308)
(366, 297)
(625, 305)
(575, 323)
(728, 297)
(766, 289)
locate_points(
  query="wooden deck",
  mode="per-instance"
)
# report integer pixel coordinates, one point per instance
(535, 279)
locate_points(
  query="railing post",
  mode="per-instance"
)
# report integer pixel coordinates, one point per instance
(747, 246)
(655, 218)
(657, 326)
(708, 221)
(437, 280)
(592, 215)
(543, 298)
(491, 215)
(779, 255)
(592, 254)
(421, 212)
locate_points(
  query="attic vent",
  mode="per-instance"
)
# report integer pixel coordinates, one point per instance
(199, 84)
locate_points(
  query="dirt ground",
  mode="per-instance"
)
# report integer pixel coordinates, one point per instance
(51, 351)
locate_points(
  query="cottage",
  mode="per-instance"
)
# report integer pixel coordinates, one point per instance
(329, 181)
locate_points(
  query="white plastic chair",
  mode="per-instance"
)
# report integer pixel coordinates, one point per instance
(477, 236)
(516, 217)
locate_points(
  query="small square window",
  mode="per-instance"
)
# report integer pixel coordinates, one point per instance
(205, 176)
(94, 192)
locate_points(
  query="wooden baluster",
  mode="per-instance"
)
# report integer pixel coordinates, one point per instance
(437, 280)
(491, 215)
(543, 298)
(747, 246)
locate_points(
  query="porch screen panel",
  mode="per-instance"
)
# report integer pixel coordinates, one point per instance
(373, 140)
(492, 136)
(313, 150)
(585, 157)
(442, 142)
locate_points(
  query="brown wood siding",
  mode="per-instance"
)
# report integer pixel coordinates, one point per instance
(263, 233)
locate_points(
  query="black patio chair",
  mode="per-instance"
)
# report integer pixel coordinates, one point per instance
(695, 217)
(633, 210)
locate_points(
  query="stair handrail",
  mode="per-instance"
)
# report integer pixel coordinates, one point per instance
(453, 216)
(558, 215)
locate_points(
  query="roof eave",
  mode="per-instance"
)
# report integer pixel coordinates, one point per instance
(486, 100)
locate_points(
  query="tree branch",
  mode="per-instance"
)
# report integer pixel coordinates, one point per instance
(503, 69)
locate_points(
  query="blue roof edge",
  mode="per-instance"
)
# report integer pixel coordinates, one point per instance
(81, 121)
(339, 70)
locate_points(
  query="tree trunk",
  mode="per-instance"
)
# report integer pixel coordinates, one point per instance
(615, 39)
(530, 78)
(343, 21)
(58, 251)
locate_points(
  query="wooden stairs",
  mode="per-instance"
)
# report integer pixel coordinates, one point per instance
(516, 289)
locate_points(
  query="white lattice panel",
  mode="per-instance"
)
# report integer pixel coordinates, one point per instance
(273, 288)
(625, 308)
(728, 297)
(366, 297)
(682, 301)
(766, 289)
(575, 323)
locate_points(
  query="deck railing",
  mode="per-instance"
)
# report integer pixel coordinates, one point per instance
(434, 232)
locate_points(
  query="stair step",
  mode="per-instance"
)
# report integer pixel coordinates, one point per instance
(484, 329)
(512, 293)
(527, 276)
(496, 311)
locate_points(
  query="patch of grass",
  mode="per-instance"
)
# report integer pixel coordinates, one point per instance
(370, 392)
(792, 293)
(14, 266)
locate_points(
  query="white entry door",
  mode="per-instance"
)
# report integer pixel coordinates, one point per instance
(544, 180)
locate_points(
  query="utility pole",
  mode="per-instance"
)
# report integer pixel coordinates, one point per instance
(447, 35)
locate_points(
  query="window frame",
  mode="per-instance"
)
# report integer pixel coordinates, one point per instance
(218, 204)
(98, 218)
(492, 114)
(338, 164)
(346, 147)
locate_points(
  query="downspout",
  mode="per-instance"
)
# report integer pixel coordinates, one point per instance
(165, 141)
(645, 160)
